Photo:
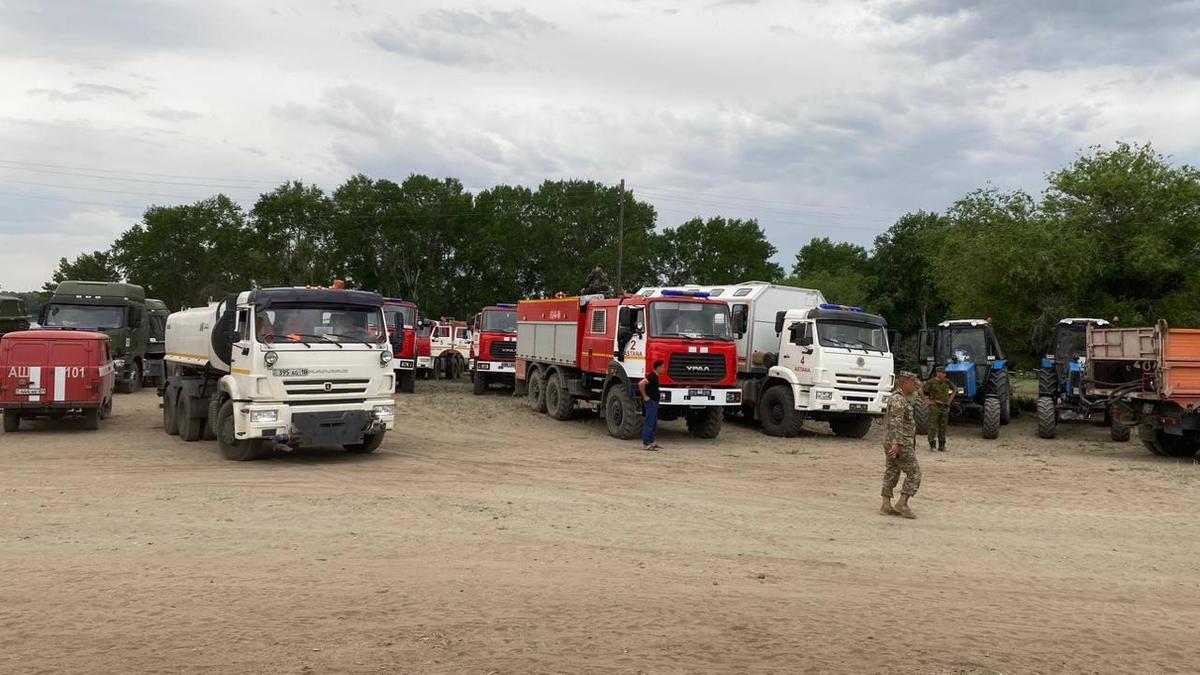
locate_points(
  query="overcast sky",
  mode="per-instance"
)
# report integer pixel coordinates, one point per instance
(819, 118)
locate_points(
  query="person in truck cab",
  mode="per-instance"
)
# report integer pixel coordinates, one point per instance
(650, 396)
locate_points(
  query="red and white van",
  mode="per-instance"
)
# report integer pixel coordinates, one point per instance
(56, 374)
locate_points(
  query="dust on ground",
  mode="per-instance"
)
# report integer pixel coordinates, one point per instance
(483, 538)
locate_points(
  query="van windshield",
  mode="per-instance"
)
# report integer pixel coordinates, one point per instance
(690, 320)
(319, 323)
(852, 335)
(85, 316)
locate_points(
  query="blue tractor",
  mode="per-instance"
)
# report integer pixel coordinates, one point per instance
(970, 353)
(1064, 392)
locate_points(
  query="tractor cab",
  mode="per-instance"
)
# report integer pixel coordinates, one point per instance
(967, 349)
(1067, 355)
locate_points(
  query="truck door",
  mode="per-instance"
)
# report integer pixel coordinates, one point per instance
(796, 351)
(242, 335)
(598, 342)
(631, 335)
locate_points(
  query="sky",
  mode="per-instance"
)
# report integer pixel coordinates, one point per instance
(819, 118)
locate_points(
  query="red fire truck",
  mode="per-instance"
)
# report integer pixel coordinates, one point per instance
(449, 346)
(493, 347)
(424, 349)
(402, 331)
(596, 350)
(54, 374)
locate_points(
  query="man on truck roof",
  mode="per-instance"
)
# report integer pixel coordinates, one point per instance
(597, 283)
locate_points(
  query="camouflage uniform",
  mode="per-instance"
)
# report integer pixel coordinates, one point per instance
(597, 283)
(941, 391)
(901, 430)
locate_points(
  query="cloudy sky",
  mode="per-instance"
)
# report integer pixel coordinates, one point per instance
(819, 118)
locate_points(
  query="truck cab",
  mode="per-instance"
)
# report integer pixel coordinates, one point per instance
(55, 374)
(115, 309)
(493, 347)
(449, 347)
(402, 332)
(14, 315)
(156, 342)
(424, 349)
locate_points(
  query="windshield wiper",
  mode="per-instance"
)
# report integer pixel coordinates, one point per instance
(310, 335)
(682, 335)
(867, 345)
(351, 338)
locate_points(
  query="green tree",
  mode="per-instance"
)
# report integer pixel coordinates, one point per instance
(293, 242)
(841, 271)
(94, 266)
(717, 251)
(901, 274)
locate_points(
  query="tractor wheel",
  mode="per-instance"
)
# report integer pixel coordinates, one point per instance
(1003, 390)
(231, 448)
(558, 402)
(537, 391)
(170, 419)
(1047, 413)
(621, 414)
(12, 421)
(189, 427)
(1117, 431)
(991, 417)
(479, 383)
(851, 426)
(921, 416)
(1047, 383)
(368, 445)
(706, 422)
(778, 413)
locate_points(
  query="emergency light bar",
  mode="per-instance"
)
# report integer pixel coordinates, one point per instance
(685, 294)
(843, 308)
(506, 305)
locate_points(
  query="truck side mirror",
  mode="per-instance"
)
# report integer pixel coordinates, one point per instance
(779, 322)
(639, 329)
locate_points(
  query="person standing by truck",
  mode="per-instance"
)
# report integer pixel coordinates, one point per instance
(938, 394)
(650, 396)
(900, 449)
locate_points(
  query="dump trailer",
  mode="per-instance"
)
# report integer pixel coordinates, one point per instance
(493, 347)
(1152, 377)
(595, 351)
(156, 342)
(279, 368)
(402, 331)
(115, 309)
(800, 357)
(1065, 394)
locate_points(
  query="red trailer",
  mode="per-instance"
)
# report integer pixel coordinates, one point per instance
(55, 374)
(402, 332)
(595, 350)
(493, 347)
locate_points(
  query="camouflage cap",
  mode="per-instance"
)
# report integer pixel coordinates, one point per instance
(906, 375)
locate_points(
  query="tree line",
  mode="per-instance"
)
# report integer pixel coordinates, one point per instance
(1114, 234)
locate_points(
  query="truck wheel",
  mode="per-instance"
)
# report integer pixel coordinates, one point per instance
(231, 447)
(12, 421)
(1047, 417)
(1117, 431)
(170, 419)
(851, 426)
(1174, 446)
(921, 416)
(537, 392)
(209, 423)
(369, 443)
(134, 385)
(991, 417)
(189, 427)
(406, 382)
(91, 419)
(106, 409)
(778, 413)
(478, 383)
(622, 416)
(705, 423)
(558, 402)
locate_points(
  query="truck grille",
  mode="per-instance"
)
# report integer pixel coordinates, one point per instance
(696, 367)
(505, 351)
(857, 381)
(324, 387)
(959, 378)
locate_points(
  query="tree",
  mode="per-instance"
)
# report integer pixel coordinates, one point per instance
(901, 273)
(717, 251)
(293, 227)
(839, 270)
(94, 266)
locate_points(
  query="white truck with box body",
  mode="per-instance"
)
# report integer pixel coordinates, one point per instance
(800, 357)
(277, 368)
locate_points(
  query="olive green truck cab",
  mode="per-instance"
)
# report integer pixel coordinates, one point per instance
(14, 315)
(156, 344)
(113, 308)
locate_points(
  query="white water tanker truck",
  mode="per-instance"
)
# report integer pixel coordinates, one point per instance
(277, 368)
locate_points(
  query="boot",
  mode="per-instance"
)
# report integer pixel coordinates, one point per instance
(886, 508)
(932, 445)
(942, 445)
(902, 509)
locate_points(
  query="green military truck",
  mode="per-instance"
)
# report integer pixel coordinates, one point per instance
(14, 315)
(156, 343)
(115, 309)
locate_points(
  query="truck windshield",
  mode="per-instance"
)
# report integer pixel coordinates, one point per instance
(85, 316)
(689, 319)
(498, 321)
(318, 323)
(158, 326)
(400, 316)
(965, 344)
(852, 335)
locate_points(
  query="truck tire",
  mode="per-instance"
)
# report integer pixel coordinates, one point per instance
(537, 391)
(558, 402)
(406, 382)
(622, 416)
(1047, 412)
(134, 385)
(209, 423)
(190, 428)
(170, 419)
(370, 443)
(706, 422)
(778, 413)
(1166, 445)
(12, 421)
(921, 416)
(851, 426)
(91, 419)
(231, 447)
(991, 417)
(1117, 431)
(478, 383)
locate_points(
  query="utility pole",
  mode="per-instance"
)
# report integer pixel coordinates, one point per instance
(621, 237)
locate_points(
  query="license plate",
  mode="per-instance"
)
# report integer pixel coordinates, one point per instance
(30, 391)
(290, 372)
(696, 393)
(858, 407)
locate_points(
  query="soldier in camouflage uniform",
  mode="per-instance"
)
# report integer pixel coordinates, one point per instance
(938, 393)
(597, 283)
(900, 449)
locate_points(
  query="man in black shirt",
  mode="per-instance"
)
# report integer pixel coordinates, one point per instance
(649, 389)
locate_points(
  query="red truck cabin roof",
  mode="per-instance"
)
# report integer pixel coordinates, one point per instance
(55, 368)
(56, 335)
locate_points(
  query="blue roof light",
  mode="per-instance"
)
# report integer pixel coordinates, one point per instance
(672, 293)
(507, 305)
(842, 308)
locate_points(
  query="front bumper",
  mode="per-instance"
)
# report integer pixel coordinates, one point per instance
(507, 367)
(329, 424)
(425, 362)
(403, 364)
(833, 400)
(700, 397)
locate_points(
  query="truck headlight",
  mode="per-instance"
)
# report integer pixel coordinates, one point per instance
(824, 395)
(385, 358)
(733, 396)
(264, 416)
(482, 365)
(270, 358)
(382, 411)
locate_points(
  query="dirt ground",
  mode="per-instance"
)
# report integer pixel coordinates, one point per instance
(483, 538)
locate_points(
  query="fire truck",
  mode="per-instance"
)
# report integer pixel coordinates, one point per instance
(424, 360)
(595, 350)
(449, 347)
(493, 347)
(402, 332)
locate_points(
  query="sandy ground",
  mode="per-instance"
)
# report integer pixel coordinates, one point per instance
(483, 538)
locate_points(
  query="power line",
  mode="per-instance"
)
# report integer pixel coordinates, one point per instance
(133, 173)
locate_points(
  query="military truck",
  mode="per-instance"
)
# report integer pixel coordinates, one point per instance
(156, 342)
(14, 315)
(116, 309)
